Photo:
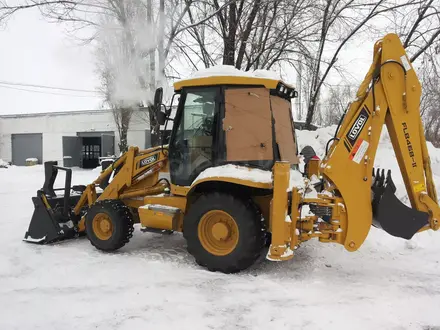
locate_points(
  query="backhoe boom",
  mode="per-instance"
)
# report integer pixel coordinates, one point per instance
(389, 94)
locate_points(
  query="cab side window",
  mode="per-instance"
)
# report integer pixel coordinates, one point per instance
(193, 145)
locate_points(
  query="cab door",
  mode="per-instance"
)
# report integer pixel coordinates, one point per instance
(193, 142)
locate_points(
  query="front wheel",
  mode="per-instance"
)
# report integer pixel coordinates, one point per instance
(224, 233)
(109, 225)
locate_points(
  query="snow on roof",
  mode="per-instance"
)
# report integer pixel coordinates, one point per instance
(251, 174)
(229, 70)
(237, 172)
(263, 77)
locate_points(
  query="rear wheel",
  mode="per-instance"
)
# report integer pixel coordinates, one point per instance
(224, 233)
(109, 225)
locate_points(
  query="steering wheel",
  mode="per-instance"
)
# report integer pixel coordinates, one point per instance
(205, 129)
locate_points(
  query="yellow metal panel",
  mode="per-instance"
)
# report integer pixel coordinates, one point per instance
(294, 216)
(278, 247)
(313, 167)
(156, 219)
(179, 190)
(228, 80)
(174, 201)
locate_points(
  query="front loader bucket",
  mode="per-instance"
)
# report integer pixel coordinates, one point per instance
(390, 214)
(52, 218)
(43, 227)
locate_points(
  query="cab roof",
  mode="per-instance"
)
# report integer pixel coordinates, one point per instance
(229, 80)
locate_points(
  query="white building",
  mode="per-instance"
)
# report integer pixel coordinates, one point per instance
(76, 138)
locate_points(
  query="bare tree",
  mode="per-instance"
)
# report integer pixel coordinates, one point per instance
(340, 21)
(336, 103)
(255, 34)
(419, 26)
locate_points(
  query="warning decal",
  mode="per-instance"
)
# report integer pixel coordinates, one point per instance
(359, 151)
(419, 187)
(405, 63)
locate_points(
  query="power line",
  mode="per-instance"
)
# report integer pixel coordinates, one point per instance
(46, 87)
(41, 92)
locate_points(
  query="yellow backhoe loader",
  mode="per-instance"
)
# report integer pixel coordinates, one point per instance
(235, 189)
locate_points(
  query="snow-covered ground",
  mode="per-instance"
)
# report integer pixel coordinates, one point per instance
(152, 283)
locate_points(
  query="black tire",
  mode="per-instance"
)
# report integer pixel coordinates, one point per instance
(121, 220)
(251, 237)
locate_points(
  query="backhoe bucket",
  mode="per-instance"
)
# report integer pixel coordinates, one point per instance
(389, 213)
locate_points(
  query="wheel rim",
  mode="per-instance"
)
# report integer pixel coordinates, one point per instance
(218, 232)
(102, 226)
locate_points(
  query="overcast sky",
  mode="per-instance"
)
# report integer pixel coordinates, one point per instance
(33, 51)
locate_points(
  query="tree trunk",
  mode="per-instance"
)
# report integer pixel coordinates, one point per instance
(229, 40)
(161, 42)
(123, 144)
(122, 117)
(152, 52)
(310, 112)
(246, 33)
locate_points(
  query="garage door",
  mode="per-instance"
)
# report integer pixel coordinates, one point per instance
(26, 146)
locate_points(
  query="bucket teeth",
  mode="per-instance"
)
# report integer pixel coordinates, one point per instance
(382, 181)
(379, 178)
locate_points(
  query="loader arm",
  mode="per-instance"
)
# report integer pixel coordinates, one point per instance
(136, 174)
(390, 95)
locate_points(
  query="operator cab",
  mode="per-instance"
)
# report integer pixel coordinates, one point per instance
(229, 120)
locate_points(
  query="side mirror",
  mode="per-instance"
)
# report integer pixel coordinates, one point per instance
(161, 117)
(158, 97)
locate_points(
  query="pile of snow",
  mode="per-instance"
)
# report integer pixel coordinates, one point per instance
(229, 70)
(3, 164)
(316, 139)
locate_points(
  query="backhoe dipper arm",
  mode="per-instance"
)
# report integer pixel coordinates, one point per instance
(390, 94)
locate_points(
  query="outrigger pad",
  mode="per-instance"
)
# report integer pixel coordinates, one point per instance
(390, 214)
